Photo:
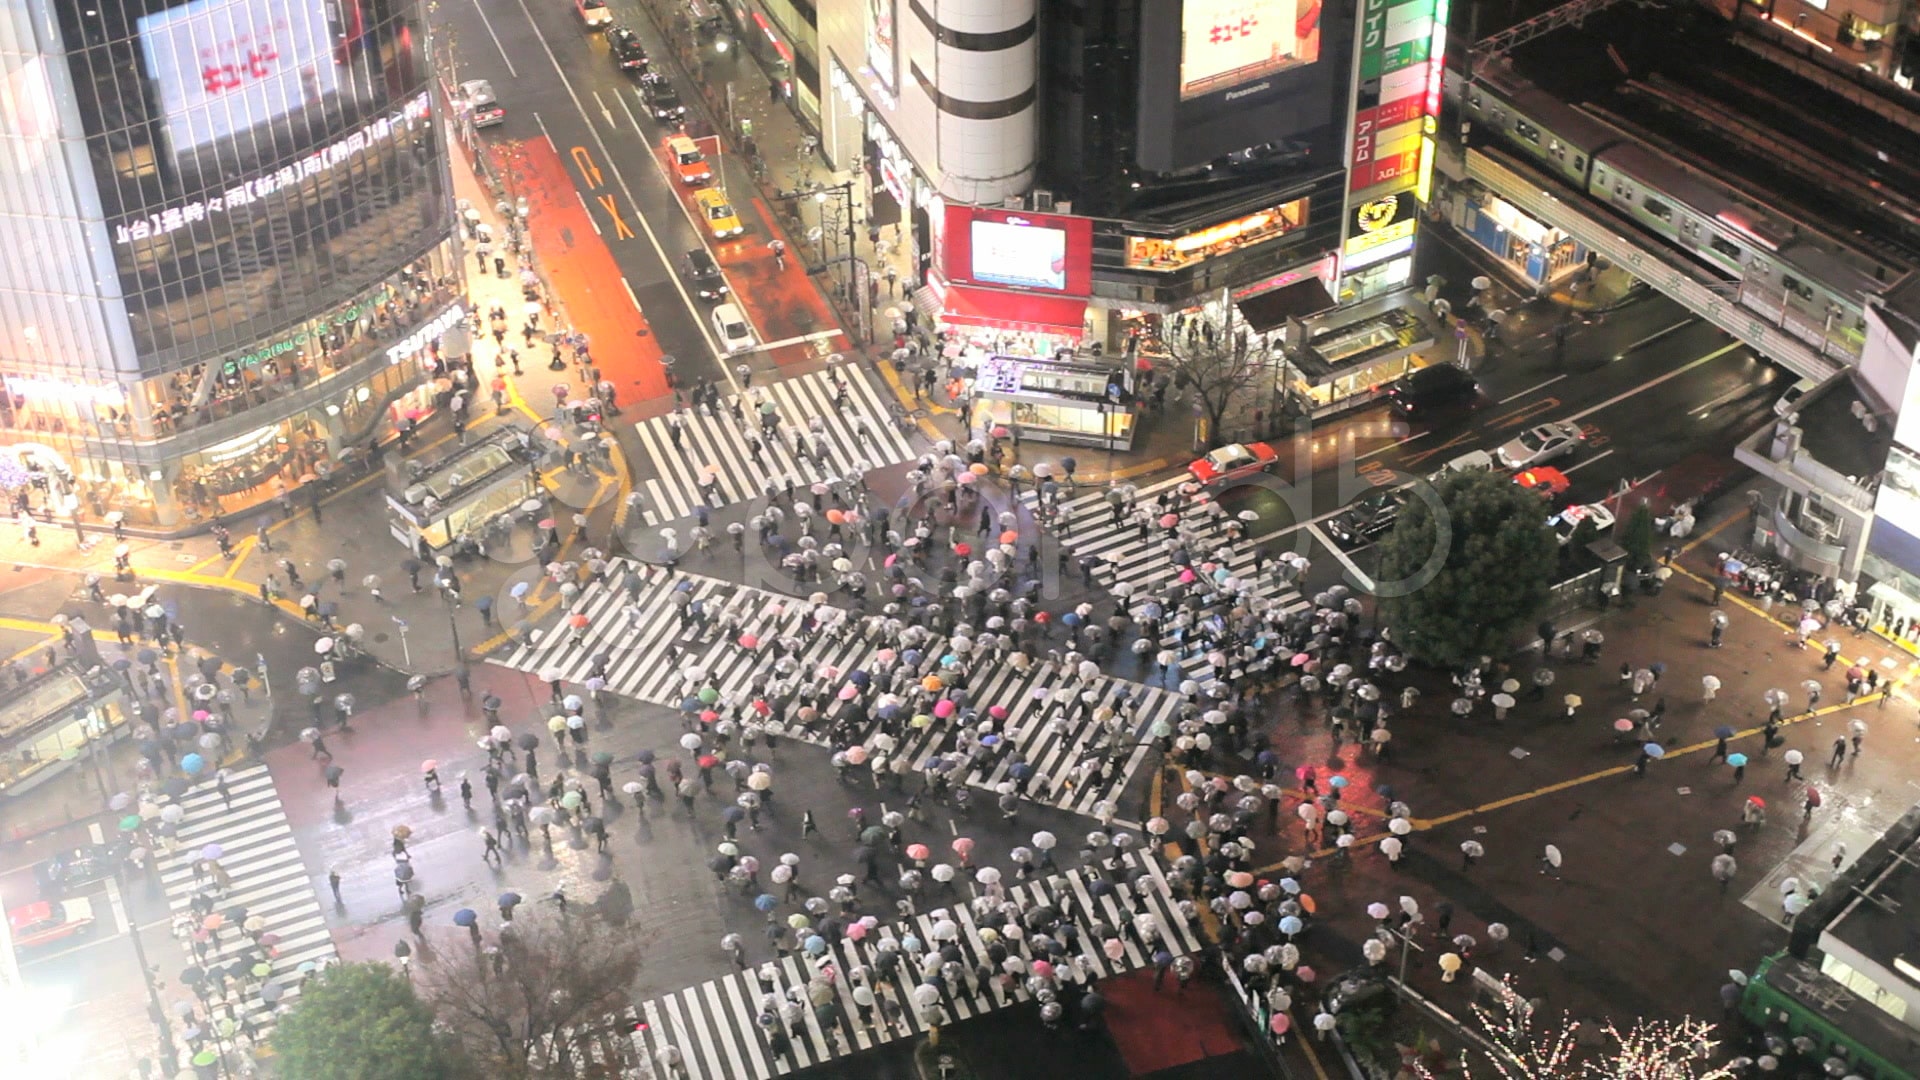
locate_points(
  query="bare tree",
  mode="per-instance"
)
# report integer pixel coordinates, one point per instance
(1221, 363)
(529, 1006)
(1520, 1046)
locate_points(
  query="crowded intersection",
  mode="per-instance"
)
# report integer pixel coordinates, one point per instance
(835, 630)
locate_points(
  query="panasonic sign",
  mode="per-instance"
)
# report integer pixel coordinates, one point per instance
(1235, 95)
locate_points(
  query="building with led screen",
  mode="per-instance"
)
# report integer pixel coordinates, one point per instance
(230, 230)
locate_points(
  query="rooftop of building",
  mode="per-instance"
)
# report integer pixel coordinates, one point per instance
(1878, 921)
(1813, 142)
(1837, 438)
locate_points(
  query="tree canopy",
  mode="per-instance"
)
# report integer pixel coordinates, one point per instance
(360, 1022)
(1498, 557)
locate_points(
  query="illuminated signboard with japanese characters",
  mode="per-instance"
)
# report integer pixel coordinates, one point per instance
(1225, 43)
(267, 183)
(221, 67)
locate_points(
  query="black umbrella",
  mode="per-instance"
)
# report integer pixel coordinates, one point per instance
(719, 864)
(334, 772)
(147, 656)
(175, 787)
(644, 756)
(732, 813)
(528, 741)
(192, 976)
(122, 664)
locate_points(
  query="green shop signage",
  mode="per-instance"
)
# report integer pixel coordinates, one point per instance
(293, 342)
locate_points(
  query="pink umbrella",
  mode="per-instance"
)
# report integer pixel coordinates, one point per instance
(917, 851)
(748, 641)
(1168, 521)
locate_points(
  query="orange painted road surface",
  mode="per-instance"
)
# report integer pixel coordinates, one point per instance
(781, 304)
(582, 272)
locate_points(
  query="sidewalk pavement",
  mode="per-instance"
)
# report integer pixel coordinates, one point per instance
(1633, 922)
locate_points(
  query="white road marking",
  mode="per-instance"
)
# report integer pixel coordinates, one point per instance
(1571, 469)
(817, 335)
(1359, 576)
(496, 38)
(588, 210)
(627, 285)
(1529, 390)
(1656, 381)
(1391, 445)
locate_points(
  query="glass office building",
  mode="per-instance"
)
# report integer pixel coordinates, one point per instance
(226, 236)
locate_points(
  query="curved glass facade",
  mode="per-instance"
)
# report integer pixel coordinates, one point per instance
(236, 207)
(257, 160)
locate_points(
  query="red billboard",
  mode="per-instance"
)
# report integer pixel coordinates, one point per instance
(1012, 249)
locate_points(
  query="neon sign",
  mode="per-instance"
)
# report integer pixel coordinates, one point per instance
(267, 183)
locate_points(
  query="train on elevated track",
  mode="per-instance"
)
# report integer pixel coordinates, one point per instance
(1807, 282)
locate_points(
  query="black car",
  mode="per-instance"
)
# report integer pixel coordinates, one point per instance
(74, 867)
(1369, 517)
(628, 55)
(661, 99)
(1429, 388)
(703, 275)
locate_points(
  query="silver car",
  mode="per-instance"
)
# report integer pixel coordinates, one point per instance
(1539, 445)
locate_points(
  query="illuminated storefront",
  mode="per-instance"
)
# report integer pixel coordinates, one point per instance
(1540, 253)
(1077, 404)
(245, 223)
(48, 725)
(1153, 253)
(459, 497)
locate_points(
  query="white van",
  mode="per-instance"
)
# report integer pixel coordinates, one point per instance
(731, 327)
(1471, 461)
(1789, 402)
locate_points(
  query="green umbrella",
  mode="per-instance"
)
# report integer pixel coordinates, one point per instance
(571, 800)
(708, 695)
(130, 823)
(798, 921)
(601, 757)
(205, 1057)
(262, 969)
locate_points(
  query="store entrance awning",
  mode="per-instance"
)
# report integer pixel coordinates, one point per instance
(1025, 312)
(1270, 310)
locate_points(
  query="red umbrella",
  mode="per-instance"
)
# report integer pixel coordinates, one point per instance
(748, 641)
(708, 761)
(546, 523)
(709, 716)
(1168, 521)
(577, 620)
(963, 550)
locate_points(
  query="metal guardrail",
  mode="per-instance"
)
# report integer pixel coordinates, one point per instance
(1665, 274)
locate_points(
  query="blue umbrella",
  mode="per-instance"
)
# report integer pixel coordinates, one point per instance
(816, 945)
(765, 902)
(465, 917)
(690, 704)
(1736, 760)
(1656, 751)
(911, 657)
(859, 678)
(508, 899)
(1724, 731)
(1020, 771)
(732, 813)
(1071, 618)
(193, 763)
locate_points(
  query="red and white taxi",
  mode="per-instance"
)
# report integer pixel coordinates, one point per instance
(1234, 461)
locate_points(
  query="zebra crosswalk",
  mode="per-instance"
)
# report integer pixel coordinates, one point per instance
(648, 646)
(1132, 559)
(267, 878)
(716, 1028)
(852, 417)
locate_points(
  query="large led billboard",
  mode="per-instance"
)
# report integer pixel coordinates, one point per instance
(1024, 256)
(1017, 250)
(223, 66)
(1219, 76)
(1228, 43)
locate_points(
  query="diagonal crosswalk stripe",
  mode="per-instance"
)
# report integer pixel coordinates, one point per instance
(854, 419)
(715, 1026)
(268, 878)
(635, 621)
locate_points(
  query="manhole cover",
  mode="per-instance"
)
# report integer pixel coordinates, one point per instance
(379, 638)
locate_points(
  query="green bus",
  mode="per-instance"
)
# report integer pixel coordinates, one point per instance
(1790, 997)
